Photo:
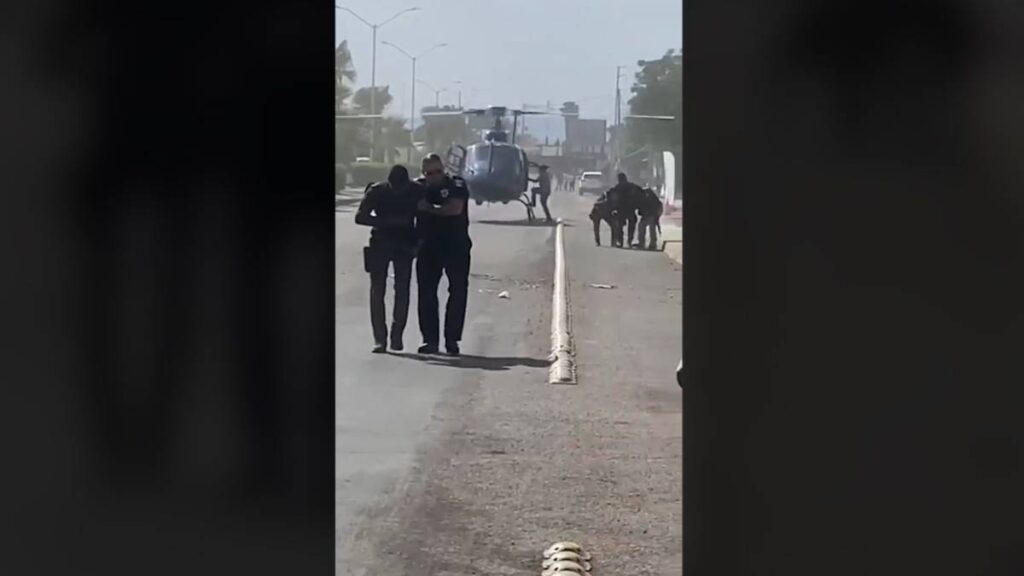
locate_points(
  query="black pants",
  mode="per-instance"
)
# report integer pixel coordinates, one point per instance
(543, 202)
(453, 261)
(384, 257)
(630, 220)
(612, 224)
(648, 223)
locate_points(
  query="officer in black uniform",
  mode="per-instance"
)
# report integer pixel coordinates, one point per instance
(650, 215)
(443, 225)
(628, 199)
(603, 210)
(390, 207)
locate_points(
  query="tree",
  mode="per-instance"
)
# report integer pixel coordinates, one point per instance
(393, 136)
(657, 91)
(344, 74)
(349, 139)
(361, 100)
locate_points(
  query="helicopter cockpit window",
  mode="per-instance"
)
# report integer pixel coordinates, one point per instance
(478, 155)
(507, 160)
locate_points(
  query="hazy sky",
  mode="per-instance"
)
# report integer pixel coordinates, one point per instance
(512, 52)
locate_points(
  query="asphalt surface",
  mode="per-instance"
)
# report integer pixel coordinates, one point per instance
(474, 465)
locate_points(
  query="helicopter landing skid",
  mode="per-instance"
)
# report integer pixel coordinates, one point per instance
(529, 207)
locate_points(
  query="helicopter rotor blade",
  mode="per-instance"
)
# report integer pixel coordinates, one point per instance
(448, 113)
(647, 117)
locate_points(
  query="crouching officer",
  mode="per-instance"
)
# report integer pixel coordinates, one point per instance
(390, 208)
(443, 226)
(650, 216)
(603, 210)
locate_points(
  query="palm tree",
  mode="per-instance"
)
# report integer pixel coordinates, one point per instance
(344, 74)
(393, 136)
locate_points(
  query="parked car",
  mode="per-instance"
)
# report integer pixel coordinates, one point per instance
(591, 183)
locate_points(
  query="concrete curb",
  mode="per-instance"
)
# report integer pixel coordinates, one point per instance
(672, 239)
(673, 250)
(563, 369)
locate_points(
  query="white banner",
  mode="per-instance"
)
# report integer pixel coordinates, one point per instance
(669, 191)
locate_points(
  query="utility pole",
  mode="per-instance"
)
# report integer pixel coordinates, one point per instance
(617, 117)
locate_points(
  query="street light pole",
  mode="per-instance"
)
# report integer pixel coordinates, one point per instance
(373, 69)
(412, 115)
(437, 93)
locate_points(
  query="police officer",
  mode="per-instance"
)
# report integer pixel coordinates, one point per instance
(650, 214)
(390, 208)
(628, 200)
(603, 210)
(542, 189)
(443, 225)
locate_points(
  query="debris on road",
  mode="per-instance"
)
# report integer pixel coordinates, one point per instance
(504, 295)
(603, 286)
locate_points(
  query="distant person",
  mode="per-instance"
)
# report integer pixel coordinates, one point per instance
(603, 210)
(627, 199)
(542, 189)
(443, 225)
(390, 208)
(650, 215)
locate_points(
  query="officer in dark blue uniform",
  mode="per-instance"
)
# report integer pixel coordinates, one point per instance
(443, 225)
(390, 207)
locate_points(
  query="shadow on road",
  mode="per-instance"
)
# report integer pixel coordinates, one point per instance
(492, 363)
(524, 222)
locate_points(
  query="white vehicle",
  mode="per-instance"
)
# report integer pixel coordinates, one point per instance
(590, 183)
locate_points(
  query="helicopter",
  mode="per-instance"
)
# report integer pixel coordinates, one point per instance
(495, 169)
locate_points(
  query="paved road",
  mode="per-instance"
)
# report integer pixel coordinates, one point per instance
(473, 465)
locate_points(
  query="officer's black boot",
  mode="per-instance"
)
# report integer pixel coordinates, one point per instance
(452, 348)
